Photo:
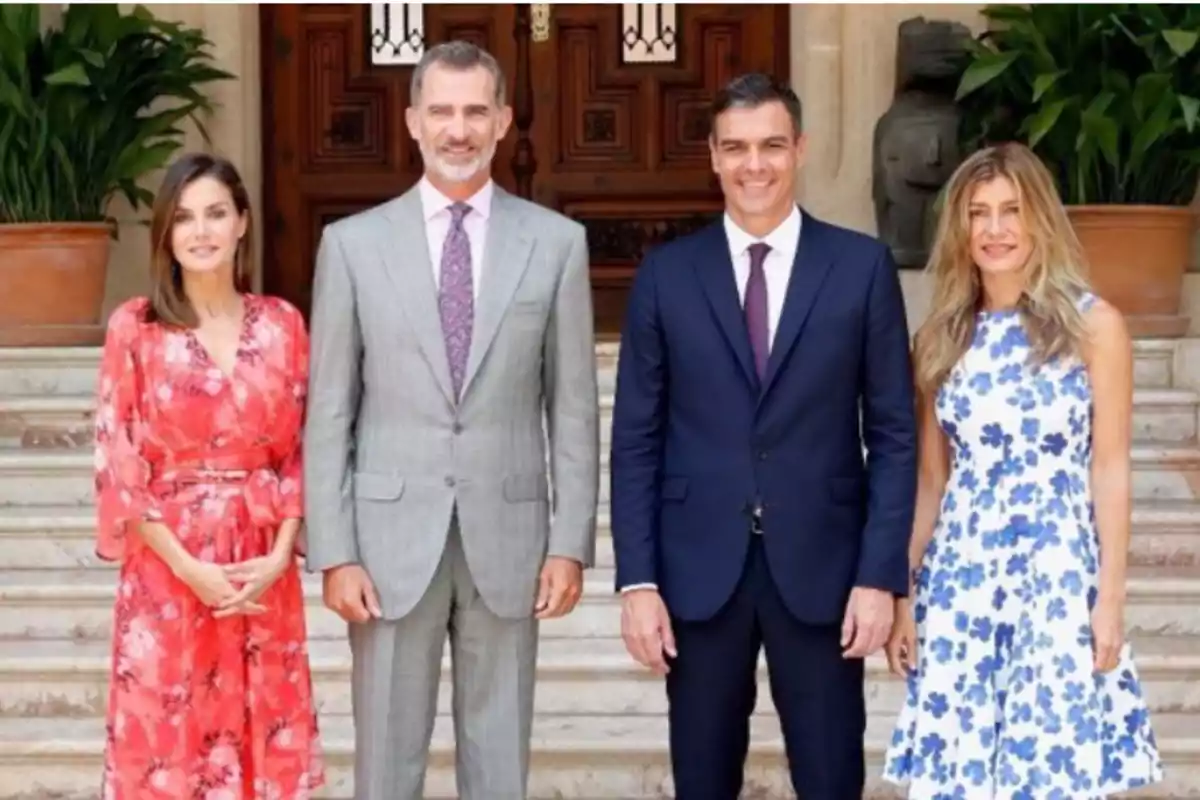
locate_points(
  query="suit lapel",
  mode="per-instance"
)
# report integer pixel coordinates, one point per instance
(505, 258)
(716, 275)
(811, 265)
(404, 248)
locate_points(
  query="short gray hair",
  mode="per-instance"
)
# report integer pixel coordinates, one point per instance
(457, 55)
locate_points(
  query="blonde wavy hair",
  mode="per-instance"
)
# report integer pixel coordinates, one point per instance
(1055, 274)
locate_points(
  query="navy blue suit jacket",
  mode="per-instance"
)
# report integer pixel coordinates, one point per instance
(698, 438)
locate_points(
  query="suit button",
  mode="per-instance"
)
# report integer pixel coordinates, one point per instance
(762, 455)
(458, 428)
(450, 481)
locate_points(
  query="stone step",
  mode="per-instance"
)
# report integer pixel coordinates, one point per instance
(29, 371)
(77, 604)
(33, 371)
(67, 421)
(45, 477)
(1154, 363)
(1165, 532)
(617, 757)
(45, 421)
(65, 678)
(1165, 473)
(1160, 416)
(1164, 415)
(606, 367)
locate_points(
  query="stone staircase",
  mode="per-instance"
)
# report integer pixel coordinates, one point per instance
(601, 730)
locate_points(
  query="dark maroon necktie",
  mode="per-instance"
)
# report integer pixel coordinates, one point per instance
(756, 307)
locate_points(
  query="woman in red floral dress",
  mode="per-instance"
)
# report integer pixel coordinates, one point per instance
(199, 497)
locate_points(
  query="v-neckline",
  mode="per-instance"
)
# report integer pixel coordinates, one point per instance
(243, 328)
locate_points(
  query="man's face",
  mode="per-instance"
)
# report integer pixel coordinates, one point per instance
(457, 122)
(755, 153)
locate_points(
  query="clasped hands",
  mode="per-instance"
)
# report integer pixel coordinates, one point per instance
(231, 589)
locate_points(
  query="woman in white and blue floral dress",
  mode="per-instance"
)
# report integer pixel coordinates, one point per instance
(1019, 682)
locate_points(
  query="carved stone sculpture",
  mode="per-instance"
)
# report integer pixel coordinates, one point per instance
(916, 146)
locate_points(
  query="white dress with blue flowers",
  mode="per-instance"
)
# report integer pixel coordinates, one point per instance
(1005, 702)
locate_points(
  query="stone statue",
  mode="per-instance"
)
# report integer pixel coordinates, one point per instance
(916, 146)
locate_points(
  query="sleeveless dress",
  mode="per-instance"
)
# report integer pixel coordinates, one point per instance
(1004, 702)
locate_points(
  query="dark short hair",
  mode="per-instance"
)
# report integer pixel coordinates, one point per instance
(751, 91)
(168, 302)
(458, 55)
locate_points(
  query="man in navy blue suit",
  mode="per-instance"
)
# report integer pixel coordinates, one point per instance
(763, 464)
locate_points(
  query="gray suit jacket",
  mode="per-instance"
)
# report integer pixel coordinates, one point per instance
(389, 453)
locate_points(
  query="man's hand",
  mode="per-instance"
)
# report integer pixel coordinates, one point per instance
(559, 587)
(350, 593)
(646, 629)
(868, 621)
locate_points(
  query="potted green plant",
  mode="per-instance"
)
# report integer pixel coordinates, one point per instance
(88, 108)
(1108, 96)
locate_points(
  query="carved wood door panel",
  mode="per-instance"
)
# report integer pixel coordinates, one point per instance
(621, 104)
(610, 103)
(334, 137)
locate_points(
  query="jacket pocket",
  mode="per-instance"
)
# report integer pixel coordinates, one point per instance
(525, 488)
(674, 488)
(376, 486)
(847, 490)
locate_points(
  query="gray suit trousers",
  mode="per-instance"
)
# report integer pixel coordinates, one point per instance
(397, 664)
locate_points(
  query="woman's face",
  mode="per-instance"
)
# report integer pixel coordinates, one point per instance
(1000, 242)
(207, 227)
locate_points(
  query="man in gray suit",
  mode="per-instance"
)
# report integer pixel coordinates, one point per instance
(452, 445)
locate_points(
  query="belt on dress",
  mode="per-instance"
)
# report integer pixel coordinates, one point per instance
(253, 470)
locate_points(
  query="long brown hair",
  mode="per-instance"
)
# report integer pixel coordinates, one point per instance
(1055, 275)
(168, 301)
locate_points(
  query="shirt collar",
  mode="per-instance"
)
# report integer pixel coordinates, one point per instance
(433, 202)
(782, 240)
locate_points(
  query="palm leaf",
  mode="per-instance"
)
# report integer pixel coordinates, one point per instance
(1105, 94)
(94, 106)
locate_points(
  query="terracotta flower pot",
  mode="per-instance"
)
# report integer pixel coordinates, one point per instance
(52, 276)
(1138, 255)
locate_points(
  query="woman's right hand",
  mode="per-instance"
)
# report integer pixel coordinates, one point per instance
(209, 583)
(901, 646)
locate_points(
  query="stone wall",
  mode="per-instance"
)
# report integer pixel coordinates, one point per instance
(843, 65)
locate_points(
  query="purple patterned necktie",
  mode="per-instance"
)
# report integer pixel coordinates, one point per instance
(456, 296)
(756, 307)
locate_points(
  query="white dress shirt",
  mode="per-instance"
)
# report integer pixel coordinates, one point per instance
(777, 269)
(777, 266)
(436, 207)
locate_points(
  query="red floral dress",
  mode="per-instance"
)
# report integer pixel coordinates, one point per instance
(203, 708)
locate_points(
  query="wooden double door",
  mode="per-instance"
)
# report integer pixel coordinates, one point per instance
(610, 102)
